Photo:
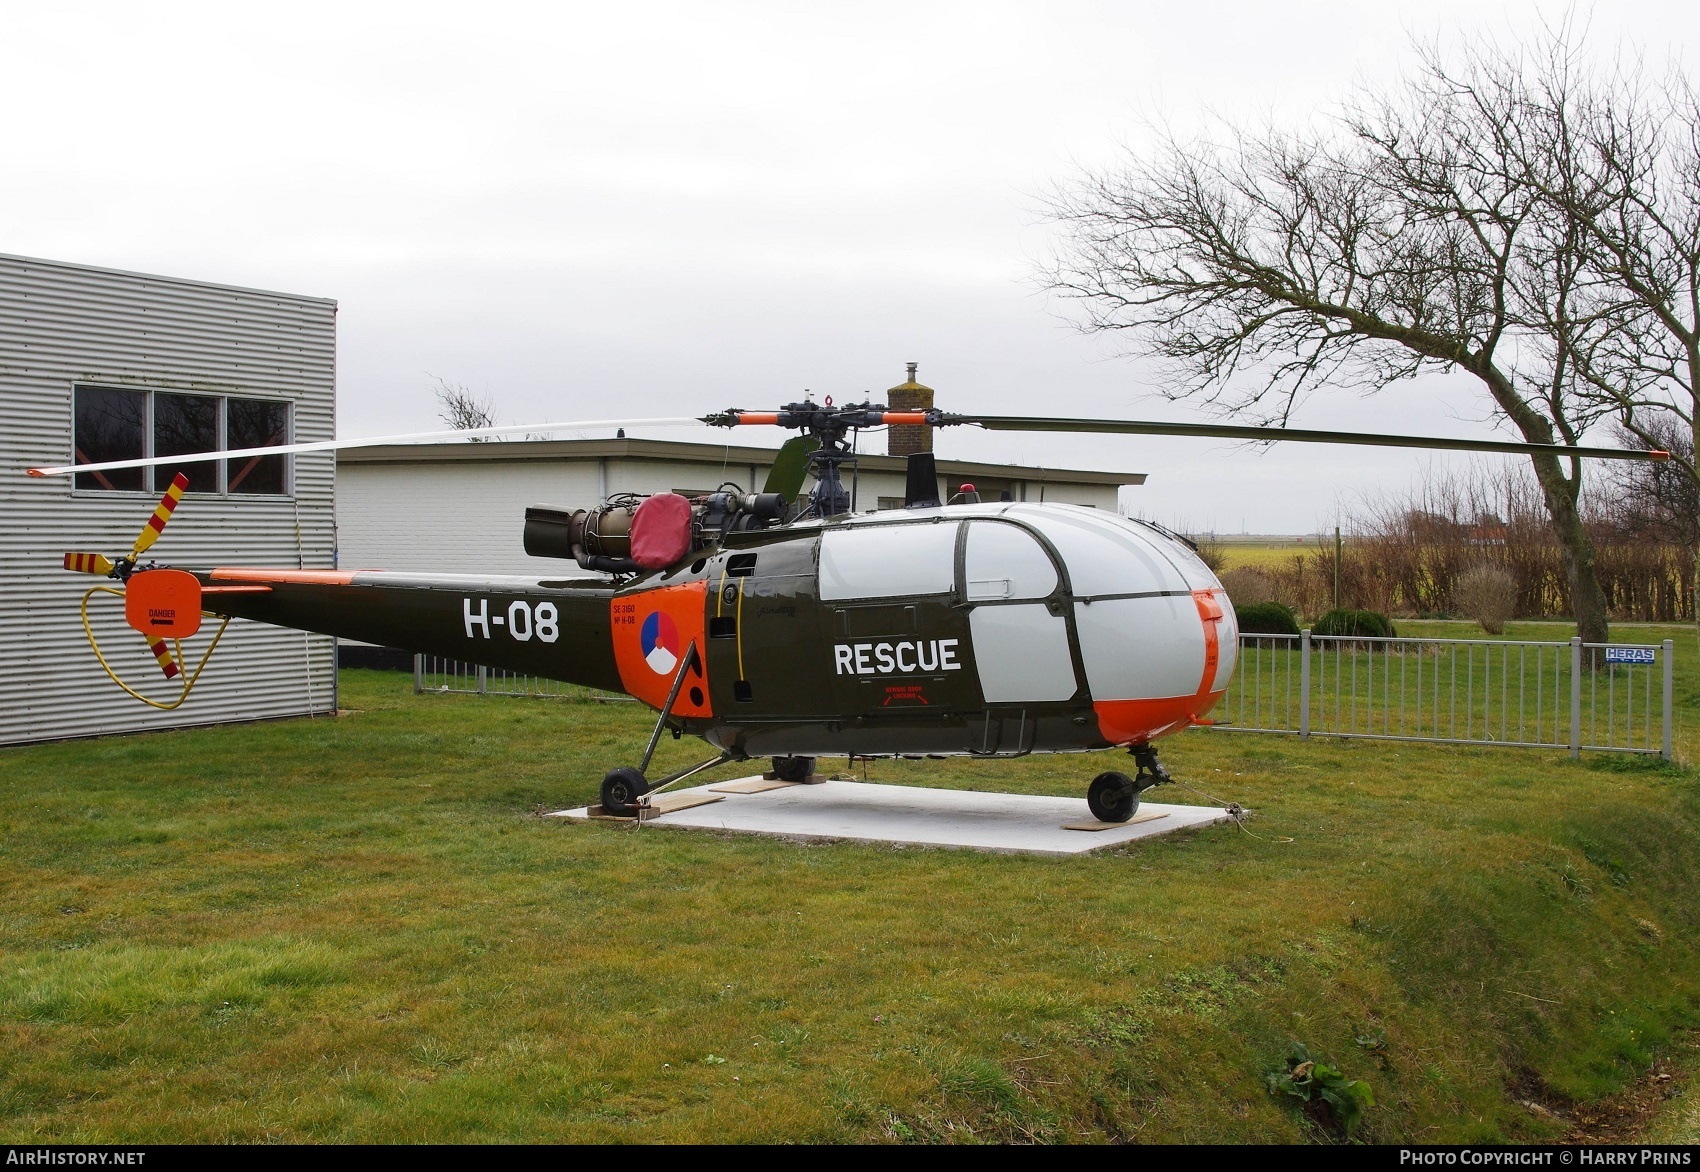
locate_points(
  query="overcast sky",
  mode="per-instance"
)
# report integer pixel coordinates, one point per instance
(590, 209)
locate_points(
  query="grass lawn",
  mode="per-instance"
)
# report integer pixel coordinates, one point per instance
(359, 929)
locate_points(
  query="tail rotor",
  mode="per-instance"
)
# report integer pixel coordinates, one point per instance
(104, 567)
(163, 605)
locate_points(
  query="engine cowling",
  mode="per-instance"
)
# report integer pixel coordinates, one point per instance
(629, 534)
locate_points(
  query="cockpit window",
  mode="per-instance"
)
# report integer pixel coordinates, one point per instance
(1003, 561)
(1107, 556)
(887, 561)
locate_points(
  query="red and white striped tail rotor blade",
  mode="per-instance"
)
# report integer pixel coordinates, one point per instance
(89, 563)
(161, 514)
(167, 661)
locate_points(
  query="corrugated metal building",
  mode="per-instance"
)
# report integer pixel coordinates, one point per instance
(97, 364)
(460, 507)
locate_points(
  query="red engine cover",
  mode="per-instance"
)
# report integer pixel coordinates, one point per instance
(661, 531)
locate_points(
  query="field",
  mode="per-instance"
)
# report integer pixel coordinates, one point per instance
(1261, 552)
(358, 929)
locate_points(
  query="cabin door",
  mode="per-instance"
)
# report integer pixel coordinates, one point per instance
(899, 643)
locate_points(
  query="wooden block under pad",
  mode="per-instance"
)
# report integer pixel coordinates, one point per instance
(751, 785)
(659, 805)
(1133, 821)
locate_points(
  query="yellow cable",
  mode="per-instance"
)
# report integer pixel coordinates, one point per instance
(739, 620)
(189, 679)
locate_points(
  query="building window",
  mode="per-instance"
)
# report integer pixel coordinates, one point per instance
(182, 424)
(113, 423)
(256, 423)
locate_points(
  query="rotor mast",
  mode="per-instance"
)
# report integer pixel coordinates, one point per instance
(830, 426)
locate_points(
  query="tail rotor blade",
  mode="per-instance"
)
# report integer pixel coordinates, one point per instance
(89, 563)
(161, 514)
(167, 663)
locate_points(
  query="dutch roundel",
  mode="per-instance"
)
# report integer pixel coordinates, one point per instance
(660, 642)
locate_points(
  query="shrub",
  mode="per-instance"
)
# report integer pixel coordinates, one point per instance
(1265, 618)
(1487, 594)
(1329, 1097)
(1364, 624)
(1246, 585)
(1211, 552)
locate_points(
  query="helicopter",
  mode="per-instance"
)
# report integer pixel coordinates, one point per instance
(779, 623)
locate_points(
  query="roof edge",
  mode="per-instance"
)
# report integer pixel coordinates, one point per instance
(199, 284)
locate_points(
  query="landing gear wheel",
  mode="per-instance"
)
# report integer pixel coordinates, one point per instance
(793, 768)
(621, 789)
(1112, 797)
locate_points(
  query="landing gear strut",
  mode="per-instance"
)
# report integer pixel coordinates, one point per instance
(1151, 771)
(1114, 797)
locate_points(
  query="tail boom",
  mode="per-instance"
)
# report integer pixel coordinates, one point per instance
(555, 628)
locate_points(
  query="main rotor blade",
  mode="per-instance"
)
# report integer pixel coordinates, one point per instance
(1236, 432)
(416, 437)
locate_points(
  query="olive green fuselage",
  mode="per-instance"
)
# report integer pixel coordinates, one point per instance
(783, 673)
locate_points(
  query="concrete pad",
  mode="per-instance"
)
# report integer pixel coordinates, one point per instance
(924, 817)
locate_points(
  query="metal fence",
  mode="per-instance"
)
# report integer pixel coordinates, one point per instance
(1609, 697)
(432, 673)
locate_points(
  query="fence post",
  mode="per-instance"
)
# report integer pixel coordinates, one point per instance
(483, 679)
(419, 674)
(1670, 654)
(1576, 696)
(1304, 682)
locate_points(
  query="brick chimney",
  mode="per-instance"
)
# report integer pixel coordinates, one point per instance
(909, 396)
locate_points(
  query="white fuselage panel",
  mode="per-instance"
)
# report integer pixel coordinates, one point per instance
(1140, 596)
(1022, 653)
(1141, 648)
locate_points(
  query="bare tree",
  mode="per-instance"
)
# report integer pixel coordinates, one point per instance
(462, 410)
(1657, 503)
(1619, 158)
(1405, 239)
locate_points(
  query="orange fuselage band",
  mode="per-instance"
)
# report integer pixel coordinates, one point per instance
(290, 577)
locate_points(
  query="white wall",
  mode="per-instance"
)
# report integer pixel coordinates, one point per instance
(453, 517)
(468, 516)
(64, 324)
